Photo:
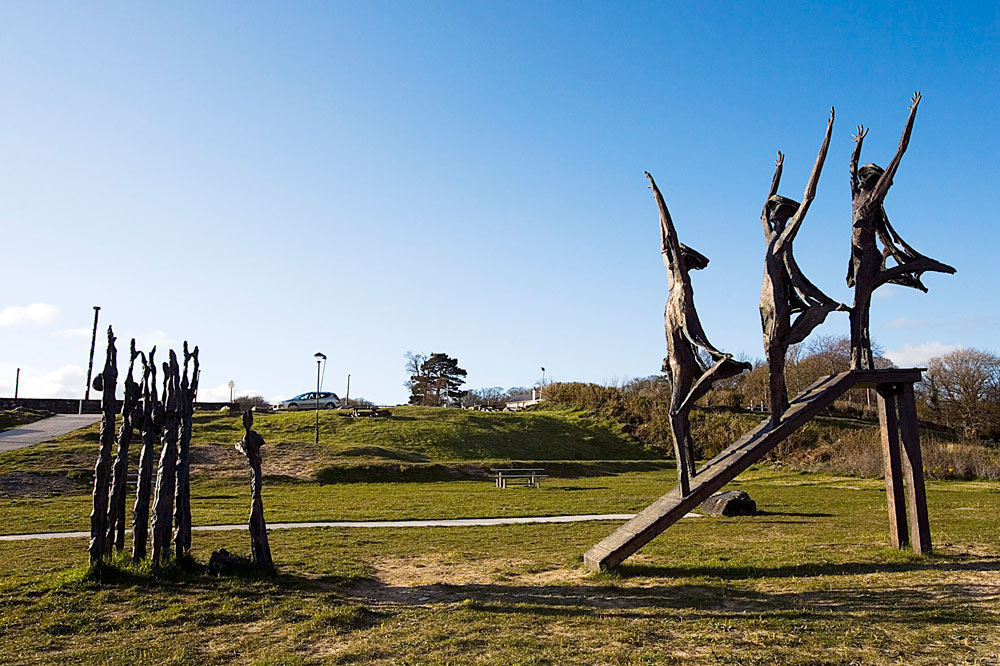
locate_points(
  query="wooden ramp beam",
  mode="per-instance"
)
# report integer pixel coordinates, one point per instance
(750, 448)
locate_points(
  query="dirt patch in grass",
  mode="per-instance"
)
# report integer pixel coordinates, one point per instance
(21, 484)
(296, 461)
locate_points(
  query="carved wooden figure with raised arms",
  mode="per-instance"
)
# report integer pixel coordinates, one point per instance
(150, 436)
(785, 290)
(105, 383)
(119, 479)
(867, 270)
(250, 447)
(690, 376)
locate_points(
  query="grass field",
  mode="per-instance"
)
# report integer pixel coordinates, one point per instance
(809, 581)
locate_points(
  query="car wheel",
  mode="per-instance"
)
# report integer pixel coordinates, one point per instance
(330, 405)
(292, 406)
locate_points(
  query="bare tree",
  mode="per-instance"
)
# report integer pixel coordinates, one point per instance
(961, 387)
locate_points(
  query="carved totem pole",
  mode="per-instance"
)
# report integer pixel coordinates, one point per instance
(150, 436)
(867, 270)
(690, 376)
(785, 290)
(250, 447)
(119, 484)
(105, 383)
(166, 475)
(182, 503)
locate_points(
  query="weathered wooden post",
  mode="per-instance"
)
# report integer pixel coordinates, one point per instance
(690, 377)
(785, 291)
(150, 436)
(105, 383)
(867, 270)
(250, 447)
(166, 476)
(182, 503)
(904, 468)
(119, 484)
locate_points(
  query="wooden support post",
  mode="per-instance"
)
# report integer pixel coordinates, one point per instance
(913, 473)
(887, 401)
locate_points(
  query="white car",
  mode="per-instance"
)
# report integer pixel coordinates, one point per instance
(324, 400)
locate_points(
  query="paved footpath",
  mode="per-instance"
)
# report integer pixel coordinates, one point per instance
(44, 430)
(452, 522)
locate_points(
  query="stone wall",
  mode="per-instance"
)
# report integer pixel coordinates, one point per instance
(70, 406)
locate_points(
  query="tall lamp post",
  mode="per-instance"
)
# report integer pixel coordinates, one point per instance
(320, 357)
(90, 365)
(543, 384)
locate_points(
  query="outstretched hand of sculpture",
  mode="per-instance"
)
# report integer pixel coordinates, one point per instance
(690, 376)
(868, 269)
(785, 291)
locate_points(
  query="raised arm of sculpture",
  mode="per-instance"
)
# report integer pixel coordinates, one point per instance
(775, 182)
(885, 180)
(670, 247)
(858, 139)
(792, 227)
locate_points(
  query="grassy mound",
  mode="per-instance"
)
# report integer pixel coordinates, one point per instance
(411, 436)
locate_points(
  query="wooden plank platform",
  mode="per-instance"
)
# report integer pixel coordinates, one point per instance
(750, 448)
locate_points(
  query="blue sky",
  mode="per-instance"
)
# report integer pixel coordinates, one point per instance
(363, 179)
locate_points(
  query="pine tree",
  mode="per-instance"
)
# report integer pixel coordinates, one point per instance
(438, 381)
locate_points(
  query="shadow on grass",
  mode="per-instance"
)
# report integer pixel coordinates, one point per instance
(813, 569)
(926, 603)
(795, 514)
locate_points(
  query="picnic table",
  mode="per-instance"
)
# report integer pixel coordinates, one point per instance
(531, 476)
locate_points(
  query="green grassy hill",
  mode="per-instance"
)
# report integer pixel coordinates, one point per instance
(409, 441)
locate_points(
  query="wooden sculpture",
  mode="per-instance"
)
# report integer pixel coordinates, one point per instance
(867, 270)
(166, 475)
(250, 447)
(119, 483)
(785, 290)
(182, 502)
(105, 383)
(150, 435)
(690, 376)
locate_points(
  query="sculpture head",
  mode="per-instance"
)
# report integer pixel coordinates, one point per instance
(779, 210)
(868, 175)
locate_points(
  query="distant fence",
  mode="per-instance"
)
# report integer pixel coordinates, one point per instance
(70, 406)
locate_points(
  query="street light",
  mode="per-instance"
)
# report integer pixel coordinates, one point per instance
(231, 385)
(320, 357)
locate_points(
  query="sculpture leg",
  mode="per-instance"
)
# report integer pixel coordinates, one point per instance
(861, 342)
(776, 384)
(681, 432)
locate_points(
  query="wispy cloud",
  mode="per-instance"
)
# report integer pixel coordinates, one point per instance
(154, 336)
(69, 381)
(909, 356)
(903, 322)
(34, 314)
(73, 333)
(220, 393)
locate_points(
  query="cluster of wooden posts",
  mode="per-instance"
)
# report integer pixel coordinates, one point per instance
(164, 421)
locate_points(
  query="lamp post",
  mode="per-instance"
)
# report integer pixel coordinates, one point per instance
(231, 385)
(320, 357)
(347, 398)
(90, 365)
(543, 383)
